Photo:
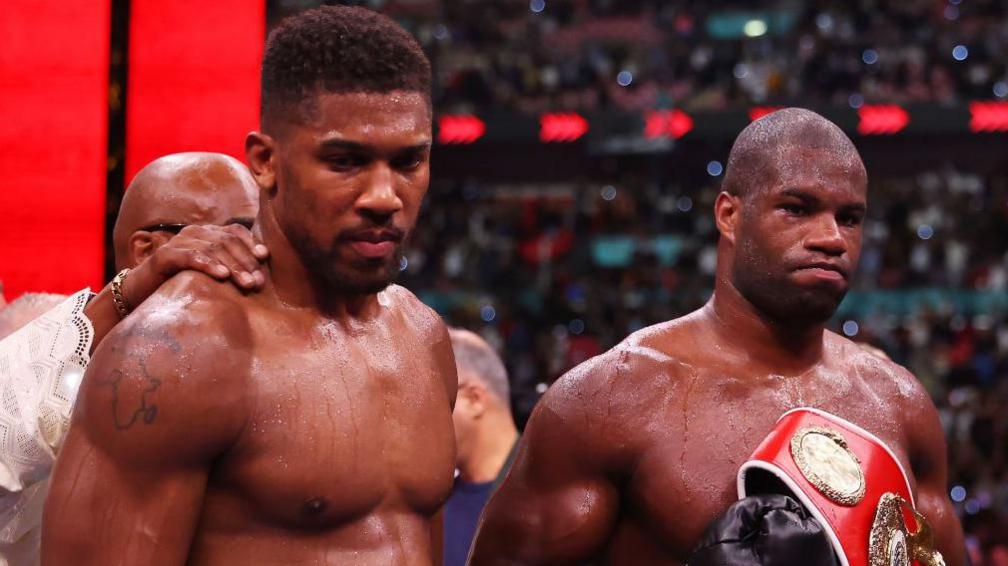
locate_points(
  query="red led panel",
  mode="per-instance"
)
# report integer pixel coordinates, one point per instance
(562, 127)
(460, 129)
(193, 77)
(667, 123)
(988, 116)
(881, 119)
(757, 112)
(54, 68)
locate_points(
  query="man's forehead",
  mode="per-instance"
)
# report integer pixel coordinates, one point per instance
(349, 116)
(189, 206)
(811, 166)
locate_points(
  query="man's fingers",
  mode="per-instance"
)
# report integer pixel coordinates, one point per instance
(237, 250)
(239, 275)
(222, 252)
(199, 261)
(258, 250)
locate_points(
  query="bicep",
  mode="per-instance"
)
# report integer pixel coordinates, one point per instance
(554, 507)
(130, 479)
(102, 510)
(930, 461)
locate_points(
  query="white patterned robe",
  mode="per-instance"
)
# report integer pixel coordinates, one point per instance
(41, 366)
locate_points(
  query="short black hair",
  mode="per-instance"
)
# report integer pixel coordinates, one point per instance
(756, 156)
(339, 49)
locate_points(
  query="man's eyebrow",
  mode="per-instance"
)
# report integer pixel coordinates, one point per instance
(336, 143)
(810, 197)
(799, 194)
(856, 207)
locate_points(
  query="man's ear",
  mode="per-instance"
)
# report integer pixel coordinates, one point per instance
(727, 214)
(260, 150)
(142, 244)
(476, 397)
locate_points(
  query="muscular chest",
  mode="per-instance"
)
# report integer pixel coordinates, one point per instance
(338, 430)
(686, 478)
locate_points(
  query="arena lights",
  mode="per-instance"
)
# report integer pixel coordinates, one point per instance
(460, 129)
(562, 127)
(667, 123)
(881, 119)
(757, 112)
(988, 117)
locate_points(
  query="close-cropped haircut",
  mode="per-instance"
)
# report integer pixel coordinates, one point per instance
(338, 49)
(761, 149)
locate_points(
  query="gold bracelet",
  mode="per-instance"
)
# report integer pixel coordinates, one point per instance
(117, 297)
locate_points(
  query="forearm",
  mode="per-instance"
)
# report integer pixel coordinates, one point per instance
(101, 311)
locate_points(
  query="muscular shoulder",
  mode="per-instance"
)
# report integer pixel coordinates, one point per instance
(900, 389)
(611, 400)
(887, 378)
(419, 317)
(172, 374)
(194, 299)
(427, 327)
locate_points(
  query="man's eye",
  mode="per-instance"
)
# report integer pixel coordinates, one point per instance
(851, 220)
(796, 209)
(408, 162)
(344, 162)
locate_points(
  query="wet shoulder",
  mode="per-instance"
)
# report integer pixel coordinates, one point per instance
(197, 314)
(426, 330)
(886, 378)
(417, 316)
(174, 373)
(624, 388)
(911, 404)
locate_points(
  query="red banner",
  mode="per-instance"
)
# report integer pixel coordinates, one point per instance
(54, 69)
(193, 77)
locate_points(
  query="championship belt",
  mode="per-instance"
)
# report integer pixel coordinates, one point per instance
(850, 481)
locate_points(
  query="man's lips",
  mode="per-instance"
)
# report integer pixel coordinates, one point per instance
(824, 270)
(373, 250)
(375, 243)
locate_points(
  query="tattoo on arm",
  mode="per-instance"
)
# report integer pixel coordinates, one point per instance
(127, 406)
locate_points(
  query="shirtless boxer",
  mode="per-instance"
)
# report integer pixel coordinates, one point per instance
(629, 456)
(309, 423)
(41, 367)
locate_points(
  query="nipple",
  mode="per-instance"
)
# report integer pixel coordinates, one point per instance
(314, 506)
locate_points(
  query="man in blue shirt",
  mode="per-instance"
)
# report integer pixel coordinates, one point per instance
(485, 435)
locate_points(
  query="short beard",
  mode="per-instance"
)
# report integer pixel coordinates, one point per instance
(779, 300)
(325, 267)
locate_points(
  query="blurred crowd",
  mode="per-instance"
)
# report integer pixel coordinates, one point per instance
(601, 54)
(554, 274)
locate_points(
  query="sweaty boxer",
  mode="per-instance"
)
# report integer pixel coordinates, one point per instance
(309, 423)
(629, 456)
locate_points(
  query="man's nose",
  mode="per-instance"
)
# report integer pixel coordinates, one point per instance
(379, 197)
(826, 237)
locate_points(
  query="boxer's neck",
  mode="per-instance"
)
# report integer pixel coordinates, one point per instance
(294, 284)
(741, 325)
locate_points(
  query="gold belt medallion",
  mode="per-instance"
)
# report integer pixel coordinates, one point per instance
(892, 543)
(828, 464)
